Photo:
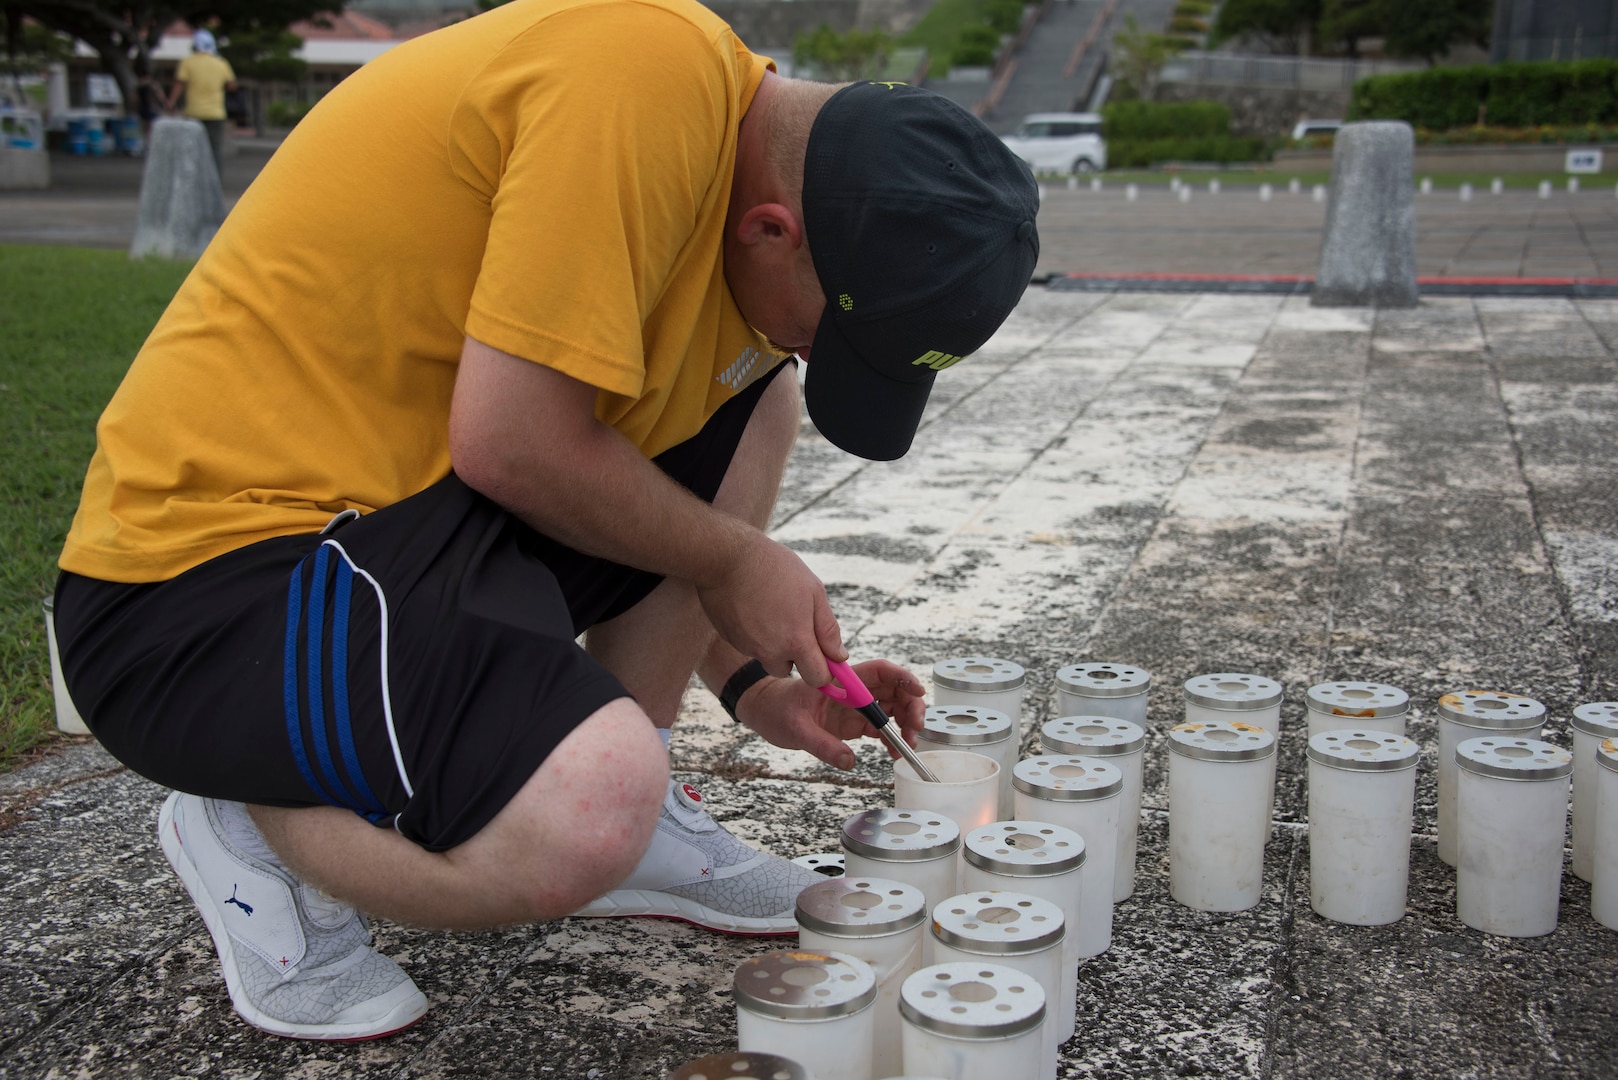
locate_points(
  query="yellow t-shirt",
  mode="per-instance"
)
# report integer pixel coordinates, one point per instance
(550, 178)
(205, 76)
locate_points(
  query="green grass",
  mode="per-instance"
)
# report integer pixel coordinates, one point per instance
(71, 320)
(940, 29)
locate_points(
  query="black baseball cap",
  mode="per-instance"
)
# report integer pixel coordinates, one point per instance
(921, 226)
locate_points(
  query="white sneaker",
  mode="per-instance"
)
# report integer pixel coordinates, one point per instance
(696, 871)
(297, 963)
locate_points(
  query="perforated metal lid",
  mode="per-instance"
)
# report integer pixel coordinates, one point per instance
(826, 864)
(966, 725)
(998, 923)
(972, 1001)
(1357, 699)
(1491, 710)
(901, 835)
(792, 985)
(1607, 755)
(1103, 680)
(980, 673)
(1233, 691)
(1067, 778)
(1023, 849)
(1222, 740)
(1598, 718)
(1092, 736)
(861, 907)
(1364, 751)
(743, 1065)
(1506, 758)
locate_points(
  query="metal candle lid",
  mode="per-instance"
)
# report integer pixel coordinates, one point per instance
(979, 673)
(901, 835)
(827, 864)
(744, 1065)
(1364, 751)
(1607, 755)
(1103, 680)
(972, 1001)
(792, 985)
(998, 923)
(1491, 710)
(1506, 758)
(1092, 736)
(966, 725)
(1023, 849)
(1223, 740)
(1357, 699)
(861, 907)
(1598, 718)
(1233, 691)
(1067, 778)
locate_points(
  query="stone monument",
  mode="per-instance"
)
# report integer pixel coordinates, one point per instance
(1368, 254)
(181, 202)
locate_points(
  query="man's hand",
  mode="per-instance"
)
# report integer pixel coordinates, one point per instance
(757, 609)
(795, 716)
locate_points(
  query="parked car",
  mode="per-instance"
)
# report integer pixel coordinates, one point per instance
(1060, 142)
(1305, 128)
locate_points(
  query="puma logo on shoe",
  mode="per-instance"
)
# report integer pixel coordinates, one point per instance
(245, 907)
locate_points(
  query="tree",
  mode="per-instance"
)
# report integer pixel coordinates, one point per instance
(1138, 55)
(1286, 26)
(1427, 28)
(123, 33)
(845, 57)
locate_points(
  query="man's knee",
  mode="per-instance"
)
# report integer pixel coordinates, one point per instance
(581, 823)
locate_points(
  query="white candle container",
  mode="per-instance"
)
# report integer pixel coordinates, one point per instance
(827, 864)
(1592, 725)
(1364, 706)
(1511, 815)
(1083, 794)
(1362, 798)
(910, 846)
(1219, 794)
(1223, 696)
(741, 1066)
(1043, 860)
(967, 792)
(975, 731)
(983, 681)
(1468, 715)
(1013, 929)
(882, 922)
(812, 1008)
(1099, 689)
(971, 1021)
(68, 719)
(1121, 743)
(1604, 842)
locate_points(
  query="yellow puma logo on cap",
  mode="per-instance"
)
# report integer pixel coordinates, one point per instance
(889, 85)
(936, 360)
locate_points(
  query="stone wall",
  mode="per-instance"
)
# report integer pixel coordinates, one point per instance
(1262, 110)
(770, 25)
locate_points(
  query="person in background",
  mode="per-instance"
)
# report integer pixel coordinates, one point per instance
(204, 76)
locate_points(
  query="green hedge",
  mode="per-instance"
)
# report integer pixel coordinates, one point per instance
(1143, 120)
(1512, 94)
(1141, 153)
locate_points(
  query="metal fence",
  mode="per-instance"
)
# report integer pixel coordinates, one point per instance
(1292, 72)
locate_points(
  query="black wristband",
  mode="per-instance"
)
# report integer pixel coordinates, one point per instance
(738, 684)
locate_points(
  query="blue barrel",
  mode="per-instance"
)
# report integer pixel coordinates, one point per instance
(126, 129)
(78, 137)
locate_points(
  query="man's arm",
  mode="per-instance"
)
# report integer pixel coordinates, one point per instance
(526, 436)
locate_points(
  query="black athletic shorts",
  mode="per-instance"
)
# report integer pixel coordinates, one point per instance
(415, 665)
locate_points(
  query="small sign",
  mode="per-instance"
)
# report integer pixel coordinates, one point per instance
(1584, 161)
(102, 90)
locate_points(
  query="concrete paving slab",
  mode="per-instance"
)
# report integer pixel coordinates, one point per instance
(1187, 484)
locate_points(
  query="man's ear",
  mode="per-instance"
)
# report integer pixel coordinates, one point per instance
(769, 223)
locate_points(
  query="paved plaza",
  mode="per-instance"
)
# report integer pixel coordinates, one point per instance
(1185, 483)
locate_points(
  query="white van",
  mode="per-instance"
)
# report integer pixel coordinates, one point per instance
(1060, 142)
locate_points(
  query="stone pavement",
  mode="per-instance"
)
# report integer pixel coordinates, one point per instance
(1184, 483)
